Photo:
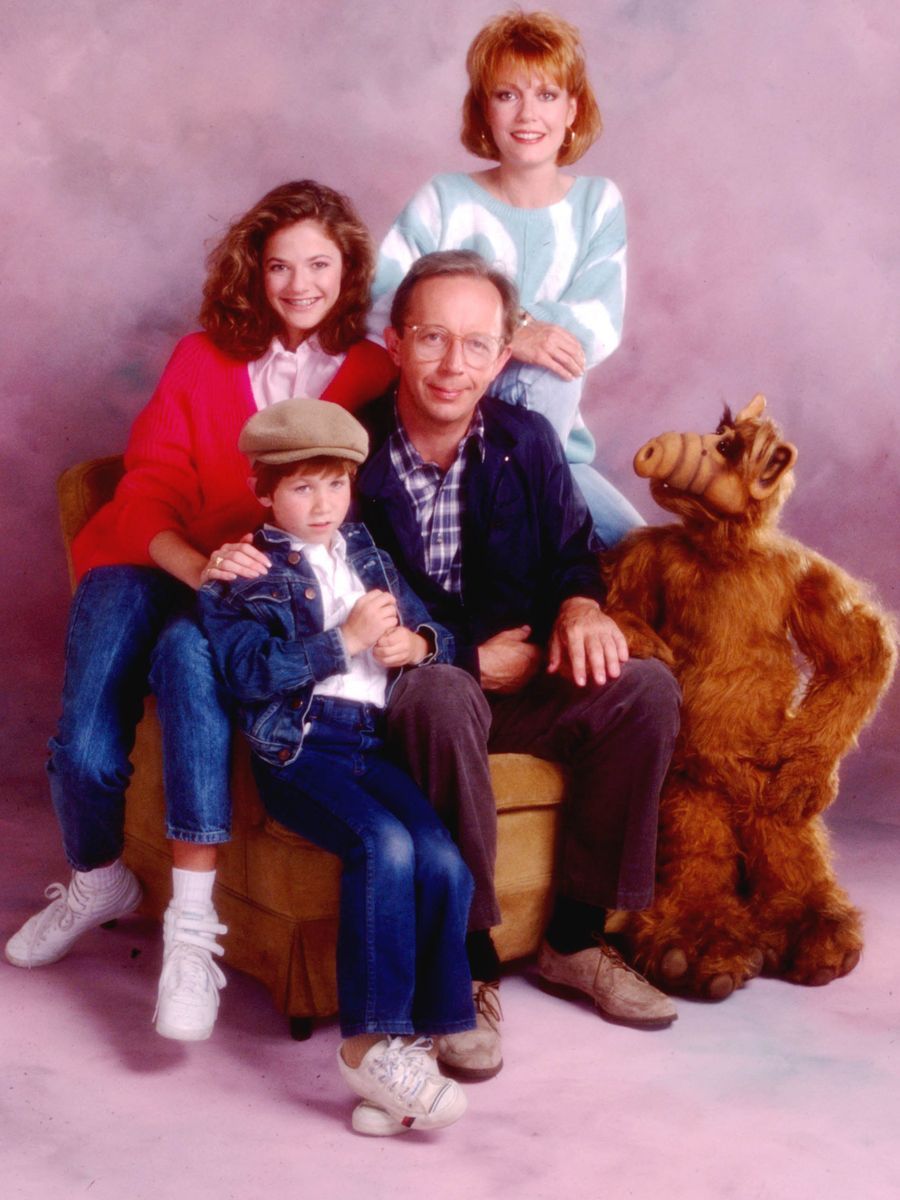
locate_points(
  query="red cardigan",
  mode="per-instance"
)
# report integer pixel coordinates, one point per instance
(183, 468)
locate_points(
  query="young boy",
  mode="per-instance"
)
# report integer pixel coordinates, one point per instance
(310, 651)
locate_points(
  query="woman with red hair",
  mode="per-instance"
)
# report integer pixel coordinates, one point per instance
(561, 237)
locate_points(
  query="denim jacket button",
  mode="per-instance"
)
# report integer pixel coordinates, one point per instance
(293, 558)
(284, 754)
(296, 703)
(310, 593)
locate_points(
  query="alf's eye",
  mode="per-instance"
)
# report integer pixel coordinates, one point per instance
(724, 446)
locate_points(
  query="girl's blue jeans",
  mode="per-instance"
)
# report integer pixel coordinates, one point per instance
(559, 401)
(128, 625)
(405, 891)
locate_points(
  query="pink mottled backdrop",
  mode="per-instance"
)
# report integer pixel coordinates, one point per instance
(756, 145)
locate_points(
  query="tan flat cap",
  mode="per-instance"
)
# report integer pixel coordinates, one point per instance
(301, 428)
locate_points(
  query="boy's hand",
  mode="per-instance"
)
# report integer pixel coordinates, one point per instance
(372, 615)
(400, 648)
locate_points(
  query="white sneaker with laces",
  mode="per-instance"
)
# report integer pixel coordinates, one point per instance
(188, 999)
(50, 934)
(373, 1121)
(402, 1081)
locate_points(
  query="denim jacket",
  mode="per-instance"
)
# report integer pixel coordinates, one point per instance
(268, 644)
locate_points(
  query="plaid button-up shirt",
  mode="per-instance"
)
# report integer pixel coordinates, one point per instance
(438, 500)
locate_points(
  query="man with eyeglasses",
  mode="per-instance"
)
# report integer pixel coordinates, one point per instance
(475, 502)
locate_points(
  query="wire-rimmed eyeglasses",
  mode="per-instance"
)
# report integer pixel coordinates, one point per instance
(431, 343)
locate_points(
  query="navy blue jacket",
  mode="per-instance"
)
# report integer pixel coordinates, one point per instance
(268, 644)
(527, 541)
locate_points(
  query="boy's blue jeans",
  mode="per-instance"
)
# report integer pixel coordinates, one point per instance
(405, 891)
(127, 624)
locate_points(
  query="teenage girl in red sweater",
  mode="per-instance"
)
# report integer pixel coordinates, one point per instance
(284, 313)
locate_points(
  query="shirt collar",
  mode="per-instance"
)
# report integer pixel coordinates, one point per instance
(338, 544)
(306, 347)
(412, 459)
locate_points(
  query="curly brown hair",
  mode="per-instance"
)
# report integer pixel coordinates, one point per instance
(235, 312)
(534, 43)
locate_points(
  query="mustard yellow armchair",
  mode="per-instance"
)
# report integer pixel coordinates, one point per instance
(278, 893)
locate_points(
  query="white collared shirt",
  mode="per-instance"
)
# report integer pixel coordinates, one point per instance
(341, 587)
(282, 374)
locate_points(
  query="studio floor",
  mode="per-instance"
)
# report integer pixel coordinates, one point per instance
(780, 1093)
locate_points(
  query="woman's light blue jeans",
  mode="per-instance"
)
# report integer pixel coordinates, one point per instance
(405, 891)
(559, 401)
(128, 625)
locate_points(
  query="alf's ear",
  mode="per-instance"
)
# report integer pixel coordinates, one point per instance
(754, 409)
(780, 461)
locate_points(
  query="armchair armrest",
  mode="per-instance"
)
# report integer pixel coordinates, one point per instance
(81, 490)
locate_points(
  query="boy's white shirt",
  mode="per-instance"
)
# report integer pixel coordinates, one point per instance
(341, 587)
(281, 374)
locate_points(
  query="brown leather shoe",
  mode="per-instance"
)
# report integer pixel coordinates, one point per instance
(620, 993)
(476, 1053)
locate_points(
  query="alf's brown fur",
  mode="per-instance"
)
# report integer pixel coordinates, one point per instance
(731, 604)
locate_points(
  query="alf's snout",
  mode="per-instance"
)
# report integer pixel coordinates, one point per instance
(678, 459)
(657, 458)
(646, 459)
(687, 462)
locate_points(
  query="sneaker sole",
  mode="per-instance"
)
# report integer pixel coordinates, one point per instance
(177, 1034)
(567, 991)
(427, 1123)
(29, 966)
(371, 1121)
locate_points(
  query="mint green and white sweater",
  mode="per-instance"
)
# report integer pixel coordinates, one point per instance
(568, 259)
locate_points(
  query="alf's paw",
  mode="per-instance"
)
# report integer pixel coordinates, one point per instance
(712, 978)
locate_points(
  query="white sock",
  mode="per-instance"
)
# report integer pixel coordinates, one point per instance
(192, 890)
(102, 878)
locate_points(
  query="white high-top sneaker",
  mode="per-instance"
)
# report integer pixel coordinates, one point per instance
(188, 999)
(50, 934)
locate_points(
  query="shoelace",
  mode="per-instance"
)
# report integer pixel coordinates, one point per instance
(615, 957)
(487, 1002)
(67, 903)
(194, 970)
(58, 913)
(401, 1069)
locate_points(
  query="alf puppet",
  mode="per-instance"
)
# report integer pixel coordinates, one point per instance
(781, 658)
